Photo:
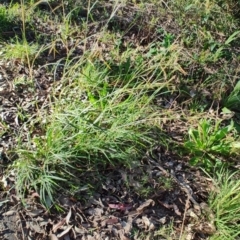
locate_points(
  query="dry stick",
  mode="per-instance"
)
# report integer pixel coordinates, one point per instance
(184, 216)
(20, 222)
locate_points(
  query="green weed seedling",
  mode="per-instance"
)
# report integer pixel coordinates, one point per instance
(207, 142)
(221, 50)
(3, 128)
(20, 50)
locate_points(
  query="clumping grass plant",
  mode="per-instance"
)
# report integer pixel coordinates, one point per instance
(102, 117)
(224, 202)
(21, 50)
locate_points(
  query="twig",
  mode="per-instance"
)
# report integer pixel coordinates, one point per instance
(184, 216)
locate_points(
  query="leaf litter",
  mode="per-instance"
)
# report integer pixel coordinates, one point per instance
(117, 207)
(110, 213)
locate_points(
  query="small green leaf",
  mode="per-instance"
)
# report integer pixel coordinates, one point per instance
(237, 87)
(226, 110)
(232, 37)
(194, 160)
(188, 7)
(206, 127)
(208, 164)
(222, 133)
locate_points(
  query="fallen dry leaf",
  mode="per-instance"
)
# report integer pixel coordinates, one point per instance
(9, 213)
(36, 227)
(80, 230)
(120, 206)
(65, 231)
(34, 213)
(58, 225)
(176, 210)
(68, 216)
(148, 224)
(93, 212)
(163, 220)
(145, 205)
(112, 220)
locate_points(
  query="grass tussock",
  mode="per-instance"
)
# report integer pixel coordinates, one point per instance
(102, 117)
(225, 204)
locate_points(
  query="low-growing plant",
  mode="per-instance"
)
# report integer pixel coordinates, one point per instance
(8, 19)
(208, 142)
(3, 127)
(224, 202)
(232, 102)
(21, 51)
(100, 118)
